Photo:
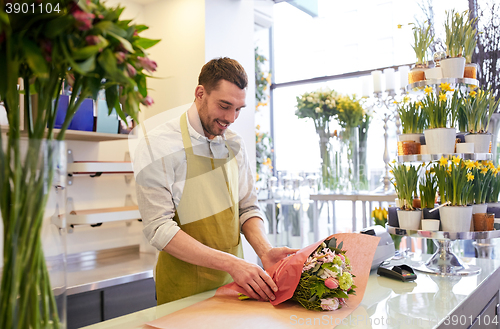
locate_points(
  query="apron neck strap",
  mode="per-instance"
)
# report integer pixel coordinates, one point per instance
(186, 139)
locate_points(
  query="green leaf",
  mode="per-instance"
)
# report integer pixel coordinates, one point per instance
(140, 28)
(94, 84)
(146, 43)
(340, 245)
(127, 45)
(57, 26)
(333, 243)
(86, 52)
(35, 59)
(112, 98)
(107, 26)
(88, 65)
(108, 62)
(319, 288)
(141, 84)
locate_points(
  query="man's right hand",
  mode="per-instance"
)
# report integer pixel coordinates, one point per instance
(251, 277)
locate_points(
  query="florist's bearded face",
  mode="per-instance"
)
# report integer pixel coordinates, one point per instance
(219, 108)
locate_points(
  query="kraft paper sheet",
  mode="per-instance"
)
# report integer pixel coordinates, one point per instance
(225, 310)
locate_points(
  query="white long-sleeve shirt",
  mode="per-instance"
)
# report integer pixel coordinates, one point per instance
(160, 170)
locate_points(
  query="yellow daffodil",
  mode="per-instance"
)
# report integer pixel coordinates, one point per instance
(257, 177)
(393, 161)
(428, 90)
(390, 172)
(395, 102)
(470, 164)
(406, 99)
(477, 165)
(419, 104)
(455, 160)
(484, 170)
(400, 26)
(472, 93)
(445, 86)
(472, 87)
(470, 177)
(258, 127)
(442, 97)
(449, 170)
(443, 161)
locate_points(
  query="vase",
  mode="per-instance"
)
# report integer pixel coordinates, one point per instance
(479, 208)
(409, 144)
(481, 142)
(363, 163)
(328, 177)
(409, 219)
(392, 216)
(455, 218)
(34, 236)
(453, 67)
(349, 152)
(440, 140)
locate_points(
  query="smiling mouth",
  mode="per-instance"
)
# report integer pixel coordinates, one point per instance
(222, 125)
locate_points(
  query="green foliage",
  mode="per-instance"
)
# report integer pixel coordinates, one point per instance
(264, 154)
(405, 182)
(413, 117)
(428, 189)
(422, 39)
(454, 181)
(440, 110)
(478, 108)
(262, 79)
(350, 112)
(455, 28)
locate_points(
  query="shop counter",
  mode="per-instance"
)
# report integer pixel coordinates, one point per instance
(428, 302)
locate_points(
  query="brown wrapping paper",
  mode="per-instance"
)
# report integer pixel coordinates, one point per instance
(225, 310)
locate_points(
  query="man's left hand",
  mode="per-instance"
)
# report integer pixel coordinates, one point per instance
(274, 255)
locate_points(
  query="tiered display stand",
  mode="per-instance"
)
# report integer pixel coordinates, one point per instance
(444, 262)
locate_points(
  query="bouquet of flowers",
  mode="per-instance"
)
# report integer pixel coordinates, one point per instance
(326, 281)
(321, 277)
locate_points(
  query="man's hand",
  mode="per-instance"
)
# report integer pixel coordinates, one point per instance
(256, 282)
(274, 255)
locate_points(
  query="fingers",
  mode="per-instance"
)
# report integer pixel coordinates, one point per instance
(264, 287)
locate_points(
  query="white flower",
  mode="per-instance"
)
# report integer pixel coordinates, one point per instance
(328, 274)
(327, 101)
(330, 304)
(318, 110)
(309, 99)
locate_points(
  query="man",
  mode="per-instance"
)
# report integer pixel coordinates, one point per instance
(196, 192)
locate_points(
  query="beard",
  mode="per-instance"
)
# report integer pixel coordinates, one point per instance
(210, 127)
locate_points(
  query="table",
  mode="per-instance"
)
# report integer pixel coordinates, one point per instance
(362, 196)
(428, 302)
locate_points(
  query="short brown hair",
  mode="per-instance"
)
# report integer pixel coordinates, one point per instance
(222, 68)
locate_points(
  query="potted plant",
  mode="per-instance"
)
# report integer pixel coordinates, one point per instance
(422, 39)
(405, 183)
(483, 174)
(470, 42)
(428, 190)
(454, 182)
(454, 64)
(321, 106)
(479, 106)
(441, 112)
(413, 122)
(85, 44)
(493, 195)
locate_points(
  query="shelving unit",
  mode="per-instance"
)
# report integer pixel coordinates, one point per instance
(98, 167)
(78, 135)
(104, 215)
(436, 157)
(420, 85)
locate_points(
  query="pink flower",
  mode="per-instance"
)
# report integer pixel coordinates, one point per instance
(83, 19)
(331, 283)
(120, 57)
(341, 257)
(147, 64)
(148, 101)
(330, 304)
(131, 71)
(92, 40)
(343, 301)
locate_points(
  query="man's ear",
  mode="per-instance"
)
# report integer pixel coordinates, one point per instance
(199, 92)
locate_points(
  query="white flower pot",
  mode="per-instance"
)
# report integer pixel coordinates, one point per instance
(440, 140)
(481, 142)
(409, 137)
(480, 208)
(465, 148)
(409, 219)
(433, 73)
(430, 224)
(493, 205)
(455, 218)
(453, 67)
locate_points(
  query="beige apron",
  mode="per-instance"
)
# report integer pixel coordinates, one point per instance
(208, 211)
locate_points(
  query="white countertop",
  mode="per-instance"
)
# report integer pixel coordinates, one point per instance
(424, 303)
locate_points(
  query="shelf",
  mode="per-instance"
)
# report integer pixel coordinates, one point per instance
(104, 215)
(93, 167)
(436, 157)
(422, 84)
(441, 235)
(79, 135)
